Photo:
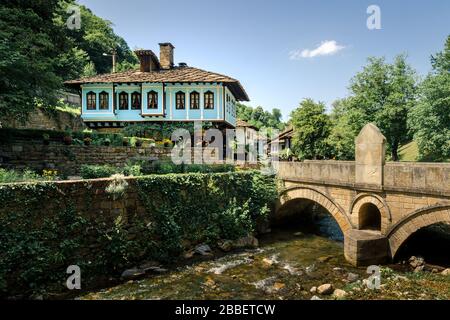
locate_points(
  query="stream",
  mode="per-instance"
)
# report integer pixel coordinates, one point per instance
(286, 265)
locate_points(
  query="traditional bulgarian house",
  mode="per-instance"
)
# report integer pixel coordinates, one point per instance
(159, 91)
(282, 142)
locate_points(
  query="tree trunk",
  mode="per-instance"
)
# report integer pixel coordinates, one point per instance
(394, 151)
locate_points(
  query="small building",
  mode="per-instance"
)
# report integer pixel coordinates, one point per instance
(159, 91)
(282, 142)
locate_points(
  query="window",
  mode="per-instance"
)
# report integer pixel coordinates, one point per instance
(180, 100)
(91, 100)
(123, 101)
(195, 100)
(104, 100)
(152, 100)
(209, 100)
(135, 101)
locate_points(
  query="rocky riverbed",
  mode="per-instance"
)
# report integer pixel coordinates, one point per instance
(287, 265)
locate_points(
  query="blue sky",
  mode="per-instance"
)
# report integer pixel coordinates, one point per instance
(263, 43)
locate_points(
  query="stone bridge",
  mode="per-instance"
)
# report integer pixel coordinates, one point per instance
(377, 205)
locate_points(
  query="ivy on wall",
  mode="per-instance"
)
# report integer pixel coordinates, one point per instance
(45, 227)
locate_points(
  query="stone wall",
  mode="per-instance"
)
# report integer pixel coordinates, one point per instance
(417, 177)
(39, 119)
(34, 155)
(340, 172)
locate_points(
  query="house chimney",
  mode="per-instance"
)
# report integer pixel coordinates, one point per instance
(166, 55)
(146, 58)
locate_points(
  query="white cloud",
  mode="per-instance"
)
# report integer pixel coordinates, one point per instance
(326, 48)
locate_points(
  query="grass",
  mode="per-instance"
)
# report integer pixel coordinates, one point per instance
(75, 111)
(409, 152)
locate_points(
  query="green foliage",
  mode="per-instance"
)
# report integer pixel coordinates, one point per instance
(97, 171)
(30, 44)
(37, 244)
(384, 93)
(38, 51)
(344, 128)
(260, 118)
(429, 119)
(117, 186)
(89, 70)
(160, 131)
(203, 204)
(311, 129)
(9, 176)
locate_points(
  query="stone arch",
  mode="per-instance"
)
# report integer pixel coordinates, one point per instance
(414, 221)
(364, 198)
(321, 198)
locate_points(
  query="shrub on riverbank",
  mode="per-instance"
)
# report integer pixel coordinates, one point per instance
(46, 227)
(146, 168)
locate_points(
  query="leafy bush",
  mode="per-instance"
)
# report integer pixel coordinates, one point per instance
(131, 169)
(9, 176)
(117, 187)
(97, 171)
(42, 232)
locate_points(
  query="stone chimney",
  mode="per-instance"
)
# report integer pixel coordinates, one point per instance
(147, 59)
(166, 55)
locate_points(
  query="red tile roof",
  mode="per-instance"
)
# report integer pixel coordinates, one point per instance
(174, 75)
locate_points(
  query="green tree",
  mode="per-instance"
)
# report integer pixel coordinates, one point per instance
(89, 70)
(30, 48)
(384, 93)
(344, 128)
(311, 129)
(95, 37)
(260, 118)
(429, 120)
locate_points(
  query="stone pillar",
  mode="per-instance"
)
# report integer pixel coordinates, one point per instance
(364, 248)
(370, 153)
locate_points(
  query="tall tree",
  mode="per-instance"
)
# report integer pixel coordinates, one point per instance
(311, 129)
(260, 118)
(96, 37)
(384, 93)
(30, 47)
(346, 122)
(429, 120)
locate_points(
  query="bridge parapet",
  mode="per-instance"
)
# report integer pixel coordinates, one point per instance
(326, 172)
(419, 177)
(377, 204)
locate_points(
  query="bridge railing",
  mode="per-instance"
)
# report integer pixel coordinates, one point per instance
(417, 176)
(432, 178)
(329, 171)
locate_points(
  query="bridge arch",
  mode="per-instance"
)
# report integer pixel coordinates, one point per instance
(314, 195)
(414, 221)
(366, 202)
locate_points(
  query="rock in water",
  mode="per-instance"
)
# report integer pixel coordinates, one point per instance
(315, 298)
(446, 272)
(313, 290)
(132, 274)
(203, 250)
(324, 259)
(246, 242)
(416, 262)
(352, 277)
(225, 245)
(325, 289)
(339, 294)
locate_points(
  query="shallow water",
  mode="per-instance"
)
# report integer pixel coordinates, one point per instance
(285, 266)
